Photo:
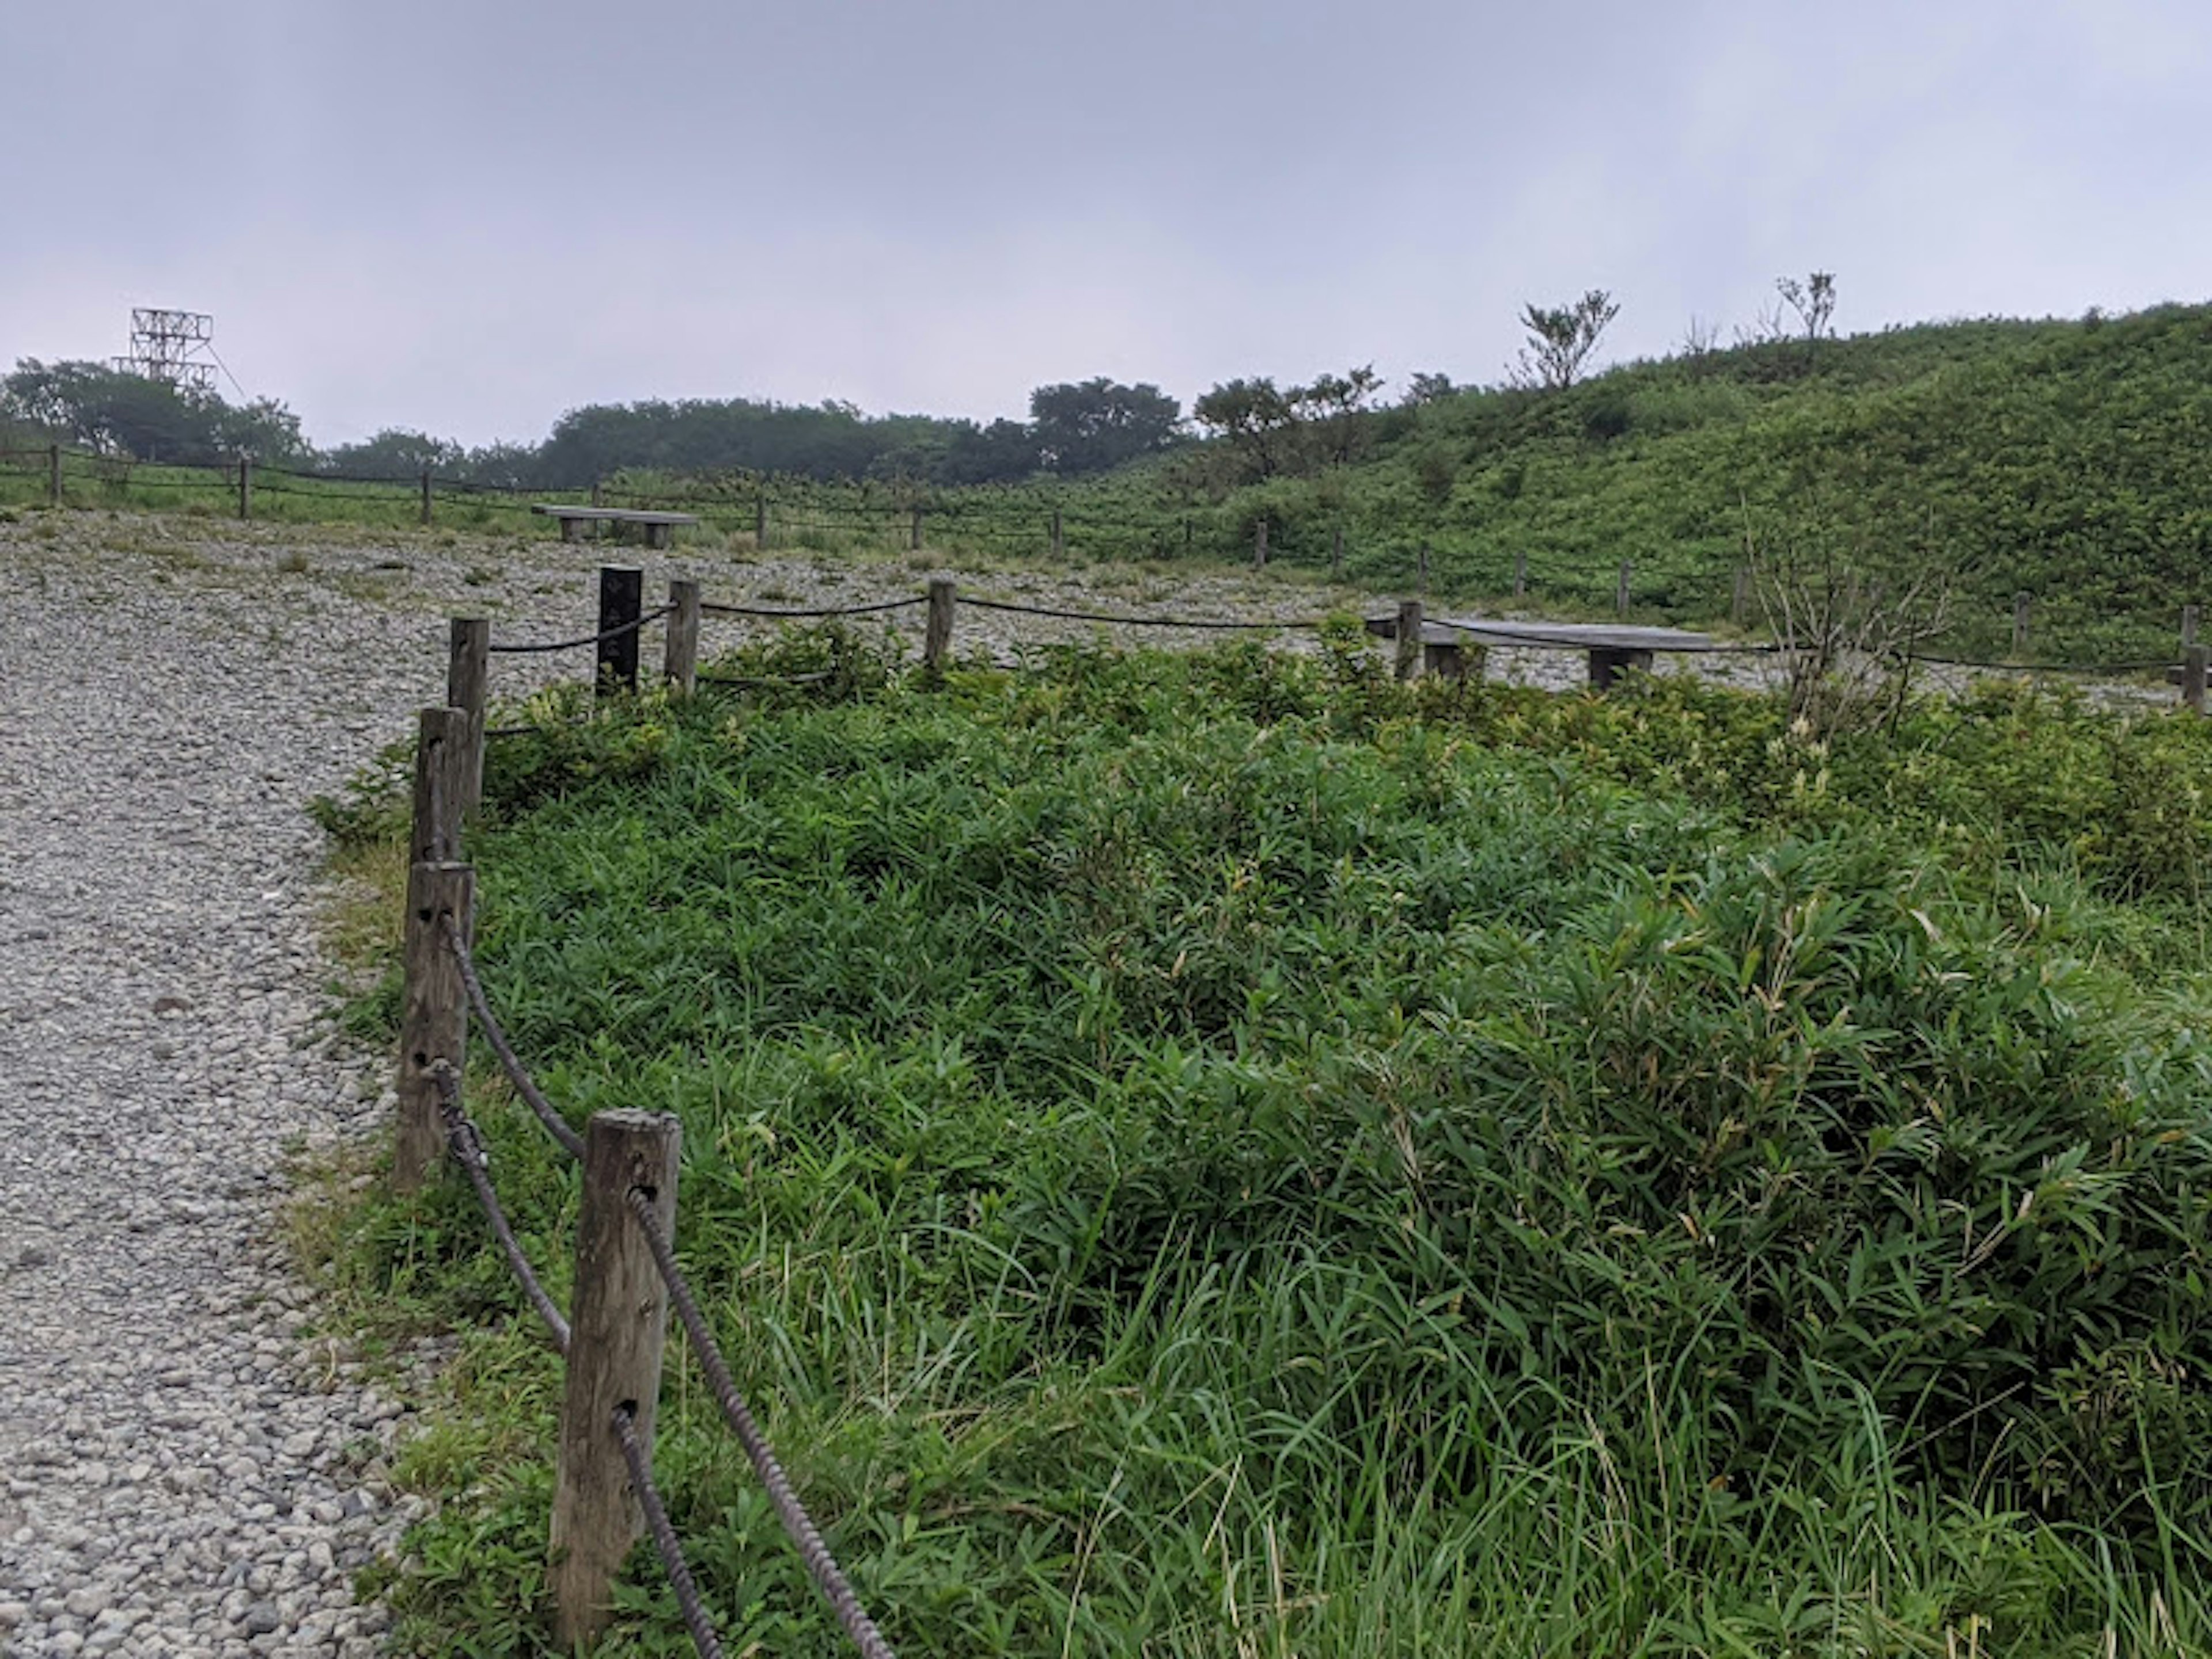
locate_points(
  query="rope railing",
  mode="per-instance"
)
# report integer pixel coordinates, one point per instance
(517, 1074)
(711, 608)
(798, 1525)
(616, 632)
(465, 1146)
(1292, 625)
(664, 1541)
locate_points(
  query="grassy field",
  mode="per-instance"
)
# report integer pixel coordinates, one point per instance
(1228, 1155)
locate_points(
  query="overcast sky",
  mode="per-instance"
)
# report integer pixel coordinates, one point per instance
(468, 216)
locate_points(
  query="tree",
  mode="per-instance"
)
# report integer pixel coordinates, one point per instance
(396, 453)
(1561, 339)
(1095, 425)
(1331, 409)
(1427, 388)
(1814, 302)
(1255, 418)
(1001, 453)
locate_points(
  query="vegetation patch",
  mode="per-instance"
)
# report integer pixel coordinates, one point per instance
(1227, 1154)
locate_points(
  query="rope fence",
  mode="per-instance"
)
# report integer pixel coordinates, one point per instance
(625, 1228)
(994, 515)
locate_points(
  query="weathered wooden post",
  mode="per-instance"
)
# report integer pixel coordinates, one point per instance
(2020, 603)
(245, 486)
(913, 534)
(2188, 626)
(598, 494)
(1621, 588)
(54, 474)
(1059, 543)
(622, 601)
(425, 492)
(1260, 545)
(434, 1019)
(619, 1323)
(2192, 677)
(680, 650)
(760, 519)
(1409, 638)
(937, 631)
(1520, 576)
(1740, 600)
(1336, 553)
(440, 755)
(468, 678)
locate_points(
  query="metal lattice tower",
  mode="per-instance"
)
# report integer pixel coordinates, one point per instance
(175, 347)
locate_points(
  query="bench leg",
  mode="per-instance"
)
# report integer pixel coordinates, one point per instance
(1606, 664)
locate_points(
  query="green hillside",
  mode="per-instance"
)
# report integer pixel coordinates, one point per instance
(2063, 459)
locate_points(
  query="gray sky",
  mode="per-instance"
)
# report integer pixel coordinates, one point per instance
(470, 215)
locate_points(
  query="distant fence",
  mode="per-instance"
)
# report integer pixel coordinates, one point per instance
(777, 512)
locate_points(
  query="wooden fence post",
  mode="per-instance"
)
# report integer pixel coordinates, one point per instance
(1520, 575)
(913, 534)
(618, 1322)
(1740, 600)
(2188, 626)
(434, 1022)
(425, 492)
(1336, 552)
(1621, 588)
(440, 755)
(1186, 535)
(622, 601)
(598, 495)
(54, 474)
(760, 519)
(2020, 603)
(680, 654)
(2192, 677)
(468, 675)
(1260, 546)
(936, 632)
(245, 486)
(1059, 543)
(1409, 638)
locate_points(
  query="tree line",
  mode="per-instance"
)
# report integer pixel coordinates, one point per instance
(1258, 430)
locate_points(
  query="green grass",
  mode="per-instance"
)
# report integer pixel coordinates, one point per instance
(1230, 1156)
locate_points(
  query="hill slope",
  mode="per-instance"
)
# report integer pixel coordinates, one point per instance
(2063, 459)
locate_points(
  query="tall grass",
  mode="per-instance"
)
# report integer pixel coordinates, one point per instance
(1229, 1156)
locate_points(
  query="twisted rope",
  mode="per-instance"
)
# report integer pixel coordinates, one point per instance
(516, 1073)
(663, 1537)
(820, 1565)
(709, 609)
(631, 627)
(467, 1149)
(1132, 622)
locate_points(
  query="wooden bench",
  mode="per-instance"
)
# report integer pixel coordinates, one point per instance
(659, 527)
(1610, 647)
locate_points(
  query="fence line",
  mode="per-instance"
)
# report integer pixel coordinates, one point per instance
(629, 1163)
(993, 513)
